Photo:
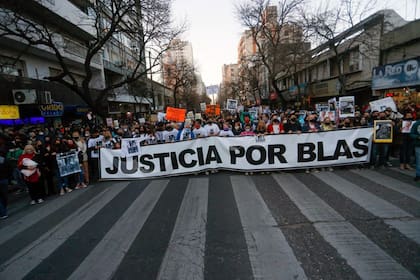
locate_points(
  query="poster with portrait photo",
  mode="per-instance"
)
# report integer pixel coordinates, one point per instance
(346, 106)
(68, 163)
(231, 104)
(406, 126)
(383, 131)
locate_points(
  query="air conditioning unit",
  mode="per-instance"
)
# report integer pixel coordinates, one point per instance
(24, 96)
(44, 97)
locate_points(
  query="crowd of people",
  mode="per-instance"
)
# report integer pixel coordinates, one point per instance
(28, 155)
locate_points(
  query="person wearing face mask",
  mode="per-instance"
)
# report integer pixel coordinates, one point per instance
(170, 133)
(311, 124)
(212, 128)
(199, 131)
(186, 133)
(237, 128)
(275, 127)
(407, 144)
(83, 158)
(327, 125)
(247, 131)
(226, 131)
(292, 125)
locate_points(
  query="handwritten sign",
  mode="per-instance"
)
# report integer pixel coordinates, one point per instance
(175, 114)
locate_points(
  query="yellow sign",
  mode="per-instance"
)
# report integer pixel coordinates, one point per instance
(9, 112)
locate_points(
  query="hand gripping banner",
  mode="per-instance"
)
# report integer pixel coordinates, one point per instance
(248, 153)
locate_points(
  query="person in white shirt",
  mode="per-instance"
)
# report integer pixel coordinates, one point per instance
(186, 133)
(169, 134)
(212, 128)
(226, 131)
(199, 131)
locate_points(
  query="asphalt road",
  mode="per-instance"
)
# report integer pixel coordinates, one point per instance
(345, 224)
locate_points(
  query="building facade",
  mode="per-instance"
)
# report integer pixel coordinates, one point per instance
(24, 68)
(348, 71)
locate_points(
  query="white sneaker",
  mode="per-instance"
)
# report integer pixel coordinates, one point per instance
(40, 201)
(33, 202)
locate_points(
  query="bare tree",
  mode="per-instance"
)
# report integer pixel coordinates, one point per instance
(147, 22)
(346, 32)
(180, 77)
(277, 35)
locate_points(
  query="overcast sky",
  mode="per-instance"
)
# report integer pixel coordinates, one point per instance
(214, 30)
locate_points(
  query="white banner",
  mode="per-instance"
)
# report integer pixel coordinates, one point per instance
(285, 151)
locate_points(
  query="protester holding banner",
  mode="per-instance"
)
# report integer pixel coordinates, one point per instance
(275, 127)
(247, 131)
(170, 134)
(292, 125)
(94, 145)
(199, 131)
(186, 132)
(226, 131)
(212, 128)
(83, 160)
(327, 125)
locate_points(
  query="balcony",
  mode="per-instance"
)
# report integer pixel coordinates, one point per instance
(80, 51)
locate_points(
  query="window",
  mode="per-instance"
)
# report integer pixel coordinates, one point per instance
(354, 60)
(10, 66)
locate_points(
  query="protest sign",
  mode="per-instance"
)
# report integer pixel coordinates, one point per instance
(232, 104)
(276, 152)
(131, 146)
(175, 114)
(381, 104)
(203, 106)
(68, 163)
(346, 106)
(382, 131)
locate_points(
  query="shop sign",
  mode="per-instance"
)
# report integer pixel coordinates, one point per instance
(56, 109)
(9, 112)
(400, 74)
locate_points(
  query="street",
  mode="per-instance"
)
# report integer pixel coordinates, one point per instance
(347, 224)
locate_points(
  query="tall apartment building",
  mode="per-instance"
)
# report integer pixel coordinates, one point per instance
(179, 73)
(23, 68)
(229, 87)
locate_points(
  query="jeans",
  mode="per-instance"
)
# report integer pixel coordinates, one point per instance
(406, 149)
(418, 161)
(381, 150)
(4, 184)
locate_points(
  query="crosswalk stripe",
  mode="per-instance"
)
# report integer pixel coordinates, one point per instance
(28, 258)
(35, 216)
(184, 258)
(390, 183)
(369, 261)
(365, 199)
(410, 173)
(314, 208)
(105, 258)
(410, 228)
(269, 252)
